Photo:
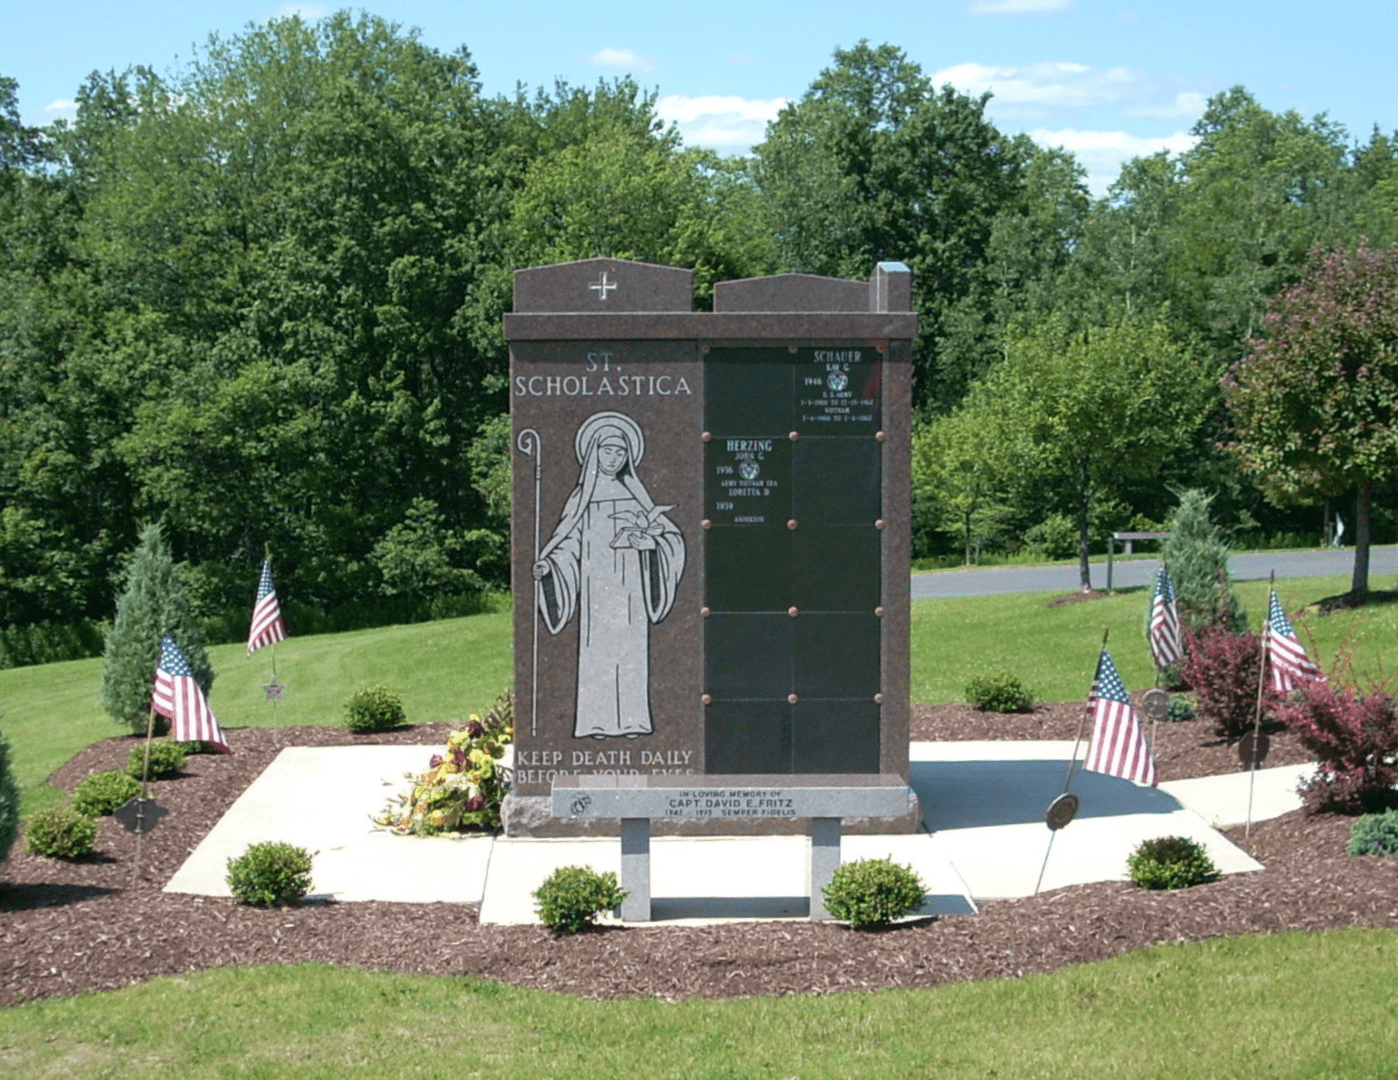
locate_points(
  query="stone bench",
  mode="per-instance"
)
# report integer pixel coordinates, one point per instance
(635, 800)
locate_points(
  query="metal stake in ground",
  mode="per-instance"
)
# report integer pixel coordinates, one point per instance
(1257, 719)
(529, 443)
(1064, 808)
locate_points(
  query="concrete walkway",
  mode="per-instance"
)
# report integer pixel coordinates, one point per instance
(983, 802)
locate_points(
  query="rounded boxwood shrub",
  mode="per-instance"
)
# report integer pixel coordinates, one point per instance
(103, 792)
(1375, 834)
(60, 832)
(166, 759)
(270, 873)
(873, 892)
(999, 691)
(1170, 862)
(573, 896)
(376, 708)
(9, 802)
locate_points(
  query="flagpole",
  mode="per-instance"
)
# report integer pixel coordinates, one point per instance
(1073, 759)
(1261, 682)
(145, 776)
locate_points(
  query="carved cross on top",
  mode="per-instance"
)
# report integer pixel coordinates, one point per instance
(603, 287)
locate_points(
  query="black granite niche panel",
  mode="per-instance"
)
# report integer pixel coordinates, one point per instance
(840, 390)
(747, 480)
(835, 737)
(748, 657)
(748, 737)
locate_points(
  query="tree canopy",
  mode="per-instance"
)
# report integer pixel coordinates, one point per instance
(1313, 408)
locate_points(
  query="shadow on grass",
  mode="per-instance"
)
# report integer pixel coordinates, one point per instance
(1349, 601)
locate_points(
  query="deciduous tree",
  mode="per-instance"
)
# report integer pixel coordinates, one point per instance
(1313, 408)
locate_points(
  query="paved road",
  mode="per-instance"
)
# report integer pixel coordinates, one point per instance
(1383, 564)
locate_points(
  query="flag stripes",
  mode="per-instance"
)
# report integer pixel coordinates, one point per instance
(1118, 745)
(177, 696)
(267, 626)
(1166, 645)
(1290, 664)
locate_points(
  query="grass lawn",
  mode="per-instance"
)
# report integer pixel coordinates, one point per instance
(443, 670)
(1053, 650)
(1233, 1007)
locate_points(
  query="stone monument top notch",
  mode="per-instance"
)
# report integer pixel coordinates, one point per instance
(603, 286)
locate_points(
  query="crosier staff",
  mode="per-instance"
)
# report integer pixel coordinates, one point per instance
(532, 445)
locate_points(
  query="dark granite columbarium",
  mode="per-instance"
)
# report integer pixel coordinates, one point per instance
(710, 535)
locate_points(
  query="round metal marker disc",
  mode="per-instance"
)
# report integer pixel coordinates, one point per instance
(1062, 810)
(1245, 748)
(139, 814)
(1156, 704)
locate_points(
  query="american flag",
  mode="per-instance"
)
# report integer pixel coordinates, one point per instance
(267, 625)
(177, 696)
(1290, 664)
(1165, 644)
(1118, 745)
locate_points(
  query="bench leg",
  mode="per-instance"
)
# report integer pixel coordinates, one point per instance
(825, 859)
(635, 869)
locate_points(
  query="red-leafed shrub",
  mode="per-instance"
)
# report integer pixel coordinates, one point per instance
(1222, 669)
(1355, 740)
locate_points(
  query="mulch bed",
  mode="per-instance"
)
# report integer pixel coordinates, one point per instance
(80, 926)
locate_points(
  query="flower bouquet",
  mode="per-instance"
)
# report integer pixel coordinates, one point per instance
(463, 787)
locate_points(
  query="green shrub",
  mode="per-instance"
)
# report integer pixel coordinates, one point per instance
(270, 873)
(60, 832)
(166, 759)
(376, 708)
(1375, 834)
(873, 892)
(572, 896)
(998, 691)
(1181, 708)
(9, 802)
(1170, 862)
(101, 793)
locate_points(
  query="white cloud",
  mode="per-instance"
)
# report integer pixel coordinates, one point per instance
(308, 12)
(729, 124)
(1187, 103)
(1045, 90)
(628, 59)
(1018, 7)
(1103, 153)
(1045, 84)
(63, 107)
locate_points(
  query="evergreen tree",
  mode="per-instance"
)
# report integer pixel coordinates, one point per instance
(9, 802)
(153, 603)
(1197, 557)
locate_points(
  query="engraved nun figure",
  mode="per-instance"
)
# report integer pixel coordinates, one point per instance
(615, 560)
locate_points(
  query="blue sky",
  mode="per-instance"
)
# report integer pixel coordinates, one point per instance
(1108, 79)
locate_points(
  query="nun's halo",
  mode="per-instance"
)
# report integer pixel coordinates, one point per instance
(635, 440)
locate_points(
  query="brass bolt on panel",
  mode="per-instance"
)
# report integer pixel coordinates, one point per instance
(878, 612)
(879, 523)
(792, 699)
(791, 524)
(793, 612)
(878, 699)
(708, 436)
(881, 436)
(793, 435)
(706, 524)
(707, 699)
(704, 611)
